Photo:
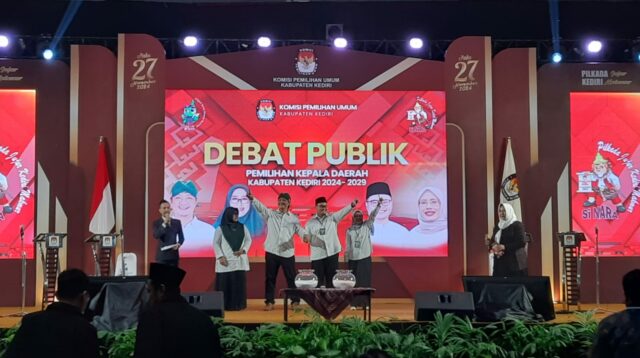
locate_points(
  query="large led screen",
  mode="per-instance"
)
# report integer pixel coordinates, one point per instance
(605, 163)
(17, 172)
(342, 145)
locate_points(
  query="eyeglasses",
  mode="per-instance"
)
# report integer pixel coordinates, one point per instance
(375, 202)
(244, 200)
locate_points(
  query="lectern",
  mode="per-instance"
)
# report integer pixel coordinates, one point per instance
(49, 245)
(571, 267)
(102, 246)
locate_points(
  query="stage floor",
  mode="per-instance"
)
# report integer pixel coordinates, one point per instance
(384, 309)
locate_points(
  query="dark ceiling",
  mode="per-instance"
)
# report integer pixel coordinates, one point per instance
(387, 21)
(391, 20)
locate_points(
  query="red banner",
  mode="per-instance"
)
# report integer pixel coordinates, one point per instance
(17, 171)
(605, 166)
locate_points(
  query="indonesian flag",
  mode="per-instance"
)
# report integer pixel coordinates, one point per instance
(510, 187)
(102, 216)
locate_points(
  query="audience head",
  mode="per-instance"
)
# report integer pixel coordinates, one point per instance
(73, 286)
(631, 287)
(164, 282)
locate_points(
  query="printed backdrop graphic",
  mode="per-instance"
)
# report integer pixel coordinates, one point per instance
(17, 171)
(336, 144)
(605, 180)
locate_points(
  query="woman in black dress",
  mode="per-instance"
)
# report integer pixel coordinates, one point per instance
(508, 244)
(231, 242)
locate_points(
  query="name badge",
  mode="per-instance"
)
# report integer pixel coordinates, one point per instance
(321, 232)
(357, 244)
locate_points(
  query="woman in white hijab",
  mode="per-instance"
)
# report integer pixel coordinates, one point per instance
(508, 244)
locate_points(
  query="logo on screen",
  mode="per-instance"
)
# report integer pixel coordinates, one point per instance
(422, 116)
(306, 62)
(266, 110)
(602, 184)
(9, 196)
(510, 187)
(5, 200)
(193, 115)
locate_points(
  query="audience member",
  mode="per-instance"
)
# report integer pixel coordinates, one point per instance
(619, 334)
(171, 327)
(61, 330)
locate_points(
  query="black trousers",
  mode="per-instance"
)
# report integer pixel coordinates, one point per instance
(325, 269)
(170, 262)
(273, 263)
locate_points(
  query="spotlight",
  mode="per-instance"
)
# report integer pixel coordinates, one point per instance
(47, 54)
(556, 57)
(4, 41)
(416, 43)
(594, 46)
(340, 42)
(190, 41)
(264, 41)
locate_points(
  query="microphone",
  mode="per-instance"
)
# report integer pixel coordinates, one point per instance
(21, 230)
(596, 229)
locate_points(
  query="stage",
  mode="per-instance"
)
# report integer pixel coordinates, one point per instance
(383, 309)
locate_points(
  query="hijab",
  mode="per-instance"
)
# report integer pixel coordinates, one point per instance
(509, 218)
(354, 224)
(252, 219)
(233, 231)
(430, 227)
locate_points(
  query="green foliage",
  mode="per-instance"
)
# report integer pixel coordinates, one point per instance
(6, 339)
(117, 345)
(447, 336)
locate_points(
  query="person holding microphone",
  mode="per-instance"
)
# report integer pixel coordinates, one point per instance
(169, 234)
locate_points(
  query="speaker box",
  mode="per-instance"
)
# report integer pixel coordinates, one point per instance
(211, 302)
(428, 303)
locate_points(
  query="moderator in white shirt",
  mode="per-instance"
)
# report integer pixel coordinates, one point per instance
(280, 230)
(326, 245)
(222, 248)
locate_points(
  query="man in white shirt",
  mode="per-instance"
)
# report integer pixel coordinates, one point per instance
(198, 234)
(322, 235)
(278, 246)
(385, 231)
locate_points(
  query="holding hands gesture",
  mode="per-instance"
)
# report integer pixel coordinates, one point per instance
(498, 250)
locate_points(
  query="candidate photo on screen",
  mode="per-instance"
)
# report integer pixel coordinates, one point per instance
(432, 228)
(385, 231)
(198, 235)
(247, 214)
